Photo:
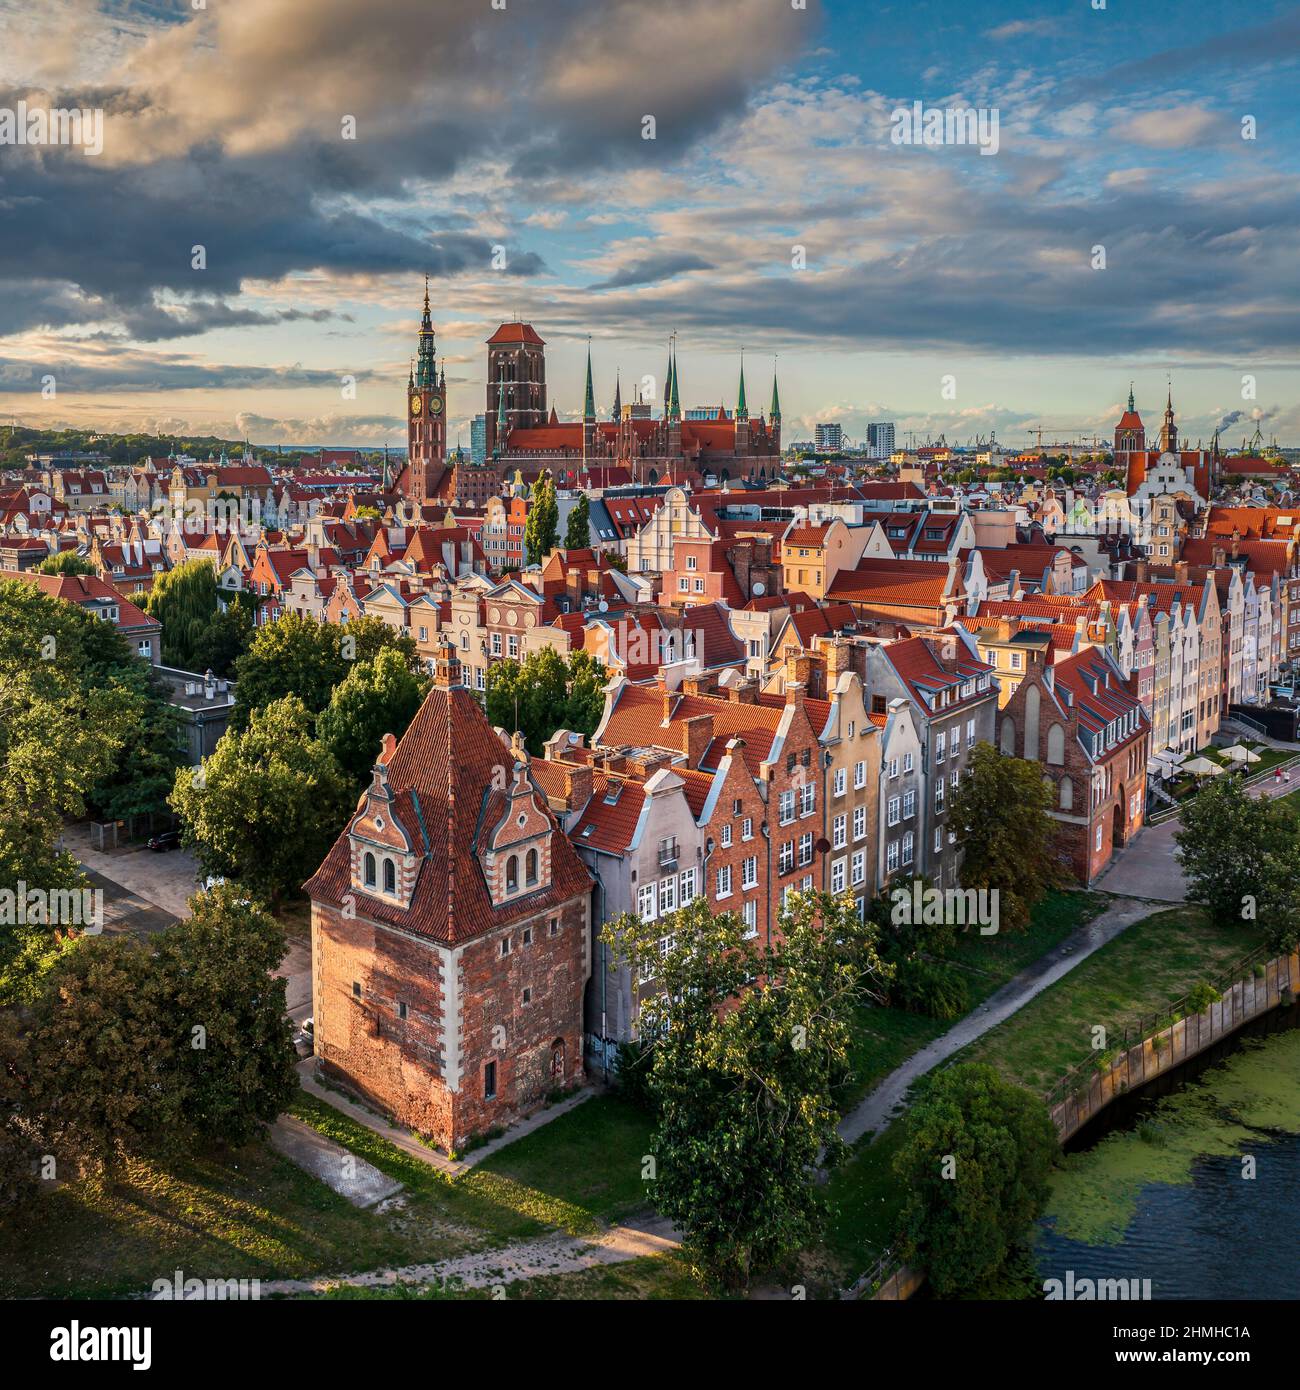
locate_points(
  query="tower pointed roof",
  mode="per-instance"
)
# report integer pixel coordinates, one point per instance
(674, 403)
(774, 412)
(618, 395)
(589, 400)
(501, 419)
(742, 409)
(1131, 405)
(426, 372)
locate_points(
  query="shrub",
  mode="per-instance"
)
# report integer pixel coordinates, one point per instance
(1201, 996)
(932, 988)
(632, 1075)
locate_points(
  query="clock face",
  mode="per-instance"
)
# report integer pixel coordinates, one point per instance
(435, 405)
(415, 405)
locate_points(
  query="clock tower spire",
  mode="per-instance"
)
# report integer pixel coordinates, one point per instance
(426, 413)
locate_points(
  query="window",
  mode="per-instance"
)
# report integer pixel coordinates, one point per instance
(970, 731)
(490, 1081)
(954, 779)
(726, 837)
(1099, 830)
(512, 645)
(496, 642)
(684, 585)
(785, 857)
(356, 989)
(667, 896)
(838, 875)
(530, 867)
(555, 926)
(909, 840)
(528, 936)
(368, 877)
(858, 867)
(908, 762)
(940, 746)
(528, 996)
(938, 796)
(859, 822)
(505, 945)
(786, 807)
(390, 877)
(724, 881)
(859, 774)
(807, 799)
(687, 882)
(1017, 661)
(891, 856)
(749, 872)
(893, 815)
(692, 562)
(747, 829)
(840, 831)
(401, 1008)
(646, 900)
(893, 768)
(805, 849)
(938, 840)
(842, 780)
(909, 804)
(750, 915)
(699, 586)
(512, 874)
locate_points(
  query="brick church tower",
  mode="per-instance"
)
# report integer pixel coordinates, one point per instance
(426, 417)
(516, 381)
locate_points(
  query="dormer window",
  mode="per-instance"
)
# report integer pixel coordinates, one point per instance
(390, 877)
(512, 874)
(369, 870)
(530, 868)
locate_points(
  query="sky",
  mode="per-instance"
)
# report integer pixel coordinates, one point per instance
(327, 154)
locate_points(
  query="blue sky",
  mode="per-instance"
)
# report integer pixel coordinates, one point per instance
(522, 130)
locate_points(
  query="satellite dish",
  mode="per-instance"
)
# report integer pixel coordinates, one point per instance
(759, 588)
(604, 606)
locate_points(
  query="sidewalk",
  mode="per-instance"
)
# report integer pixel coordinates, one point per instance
(875, 1111)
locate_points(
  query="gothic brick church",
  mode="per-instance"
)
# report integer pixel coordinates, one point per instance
(526, 437)
(450, 929)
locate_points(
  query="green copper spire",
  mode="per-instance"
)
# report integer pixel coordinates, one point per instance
(618, 396)
(742, 409)
(426, 373)
(775, 412)
(674, 405)
(501, 420)
(1130, 396)
(589, 401)
(668, 378)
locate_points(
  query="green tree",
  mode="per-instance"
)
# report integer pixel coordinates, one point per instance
(300, 656)
(65, 562)
(266, 804)
(545, 693)
(375, 698)
(184, 600)
(1241, 855)
(225, 1017)
(1000, 813)
(542, 529)
(577, 533)
(974, 1164)
(746, 1045)
(226, 637)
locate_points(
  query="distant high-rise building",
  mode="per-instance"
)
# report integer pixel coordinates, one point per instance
(880, 439)
(707, 412)
(829, 439)
(478, 439)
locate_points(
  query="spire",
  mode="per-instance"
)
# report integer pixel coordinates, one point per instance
(742, 410)
(674, 404)
(589, 400)
(1131, 405)
(501, 419)
(775, 412)
(668, 378)
(618, 395)
(426, 374)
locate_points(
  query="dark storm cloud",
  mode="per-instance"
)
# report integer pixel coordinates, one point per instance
(124, 371)
(652, 269)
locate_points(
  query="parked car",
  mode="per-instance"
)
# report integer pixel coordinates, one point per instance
(169, 839)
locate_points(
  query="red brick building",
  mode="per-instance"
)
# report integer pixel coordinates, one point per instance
(450, 931)
(1083, 722)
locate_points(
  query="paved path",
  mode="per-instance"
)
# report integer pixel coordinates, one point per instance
(876, 1110)
(557, 1254)
(165, 880)
(351, 1177)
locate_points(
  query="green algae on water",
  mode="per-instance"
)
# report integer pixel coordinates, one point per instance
(1230, 1109)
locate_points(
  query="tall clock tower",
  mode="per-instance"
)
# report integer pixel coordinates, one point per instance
(426, 414)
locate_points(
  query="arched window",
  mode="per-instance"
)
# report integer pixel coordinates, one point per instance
(390, 876)
(1007, 743)
(1067, 794)
(1032, 702)
(369, 873)
(530, 867)
(512, 874)
(1056, 745)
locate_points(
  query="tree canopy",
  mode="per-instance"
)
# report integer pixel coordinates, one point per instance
(577, 532)
(184, 600)
(546, 692)
(375, 698)
(542, 528)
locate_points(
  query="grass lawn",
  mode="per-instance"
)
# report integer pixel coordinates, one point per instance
(884, 1038)
(253, 1214)
(1152, 964)
(866, 1201)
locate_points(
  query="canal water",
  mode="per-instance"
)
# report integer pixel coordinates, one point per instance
(1197, 1189)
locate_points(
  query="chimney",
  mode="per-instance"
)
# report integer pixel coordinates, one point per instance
(387, 748)
(577, 787)
(669, 699)
(839, 658)
(798, 668)
(1180, 571)
(1220, 556)
(699, 734)
(743, 692)
(1140, 571)
(698, 684)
